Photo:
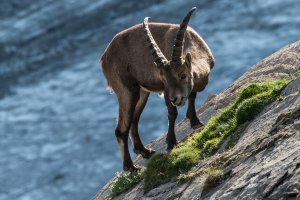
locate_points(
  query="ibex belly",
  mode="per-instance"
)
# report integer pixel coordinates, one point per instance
(157, 88)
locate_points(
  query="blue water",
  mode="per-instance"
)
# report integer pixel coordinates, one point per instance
(56, 117)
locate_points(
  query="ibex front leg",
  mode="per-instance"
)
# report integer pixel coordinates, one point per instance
(191, 112)
(172, 115)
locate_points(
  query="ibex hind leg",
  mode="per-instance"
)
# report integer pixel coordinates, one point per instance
(191, 112)
(127, 98)
(139, 148)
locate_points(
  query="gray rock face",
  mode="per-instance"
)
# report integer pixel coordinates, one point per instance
(265, 163)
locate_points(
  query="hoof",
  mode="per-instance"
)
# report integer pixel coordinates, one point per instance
(171, 146)
(146, 153)
(197, 125)
(132, 168)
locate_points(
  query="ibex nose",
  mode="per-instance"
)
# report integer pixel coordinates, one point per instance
(178, 101)
(173, 100)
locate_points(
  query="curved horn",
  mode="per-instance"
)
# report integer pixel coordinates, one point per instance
(178, 45)
(159, 57)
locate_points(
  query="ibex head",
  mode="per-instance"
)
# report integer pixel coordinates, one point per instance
(176, 73)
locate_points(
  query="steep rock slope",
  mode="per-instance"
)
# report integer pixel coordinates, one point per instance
(266, 159)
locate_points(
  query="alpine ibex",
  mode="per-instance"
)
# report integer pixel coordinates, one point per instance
(133, 71)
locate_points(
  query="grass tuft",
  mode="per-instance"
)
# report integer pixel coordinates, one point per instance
(214, 176)
(123, 182)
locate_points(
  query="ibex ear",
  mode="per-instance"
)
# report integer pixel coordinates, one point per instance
(188, 60)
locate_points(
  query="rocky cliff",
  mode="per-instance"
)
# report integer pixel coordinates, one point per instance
(264, 162)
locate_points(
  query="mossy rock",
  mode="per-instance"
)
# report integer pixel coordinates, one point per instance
(233, 119)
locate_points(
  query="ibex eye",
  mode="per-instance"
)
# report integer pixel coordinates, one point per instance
(183, 76)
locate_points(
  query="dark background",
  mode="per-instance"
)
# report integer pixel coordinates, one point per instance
(57, 118)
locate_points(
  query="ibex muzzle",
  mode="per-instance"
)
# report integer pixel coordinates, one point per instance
(179, 68)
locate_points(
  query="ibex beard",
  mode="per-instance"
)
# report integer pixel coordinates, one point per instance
(155, 57)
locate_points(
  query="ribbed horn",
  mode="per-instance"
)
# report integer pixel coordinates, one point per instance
(178, 45)
(159, 57)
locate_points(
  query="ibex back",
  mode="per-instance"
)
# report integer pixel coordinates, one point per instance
(149, 58)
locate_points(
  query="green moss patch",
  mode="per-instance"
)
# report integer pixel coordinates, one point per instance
(252, 99)
(162, 168)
